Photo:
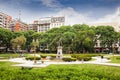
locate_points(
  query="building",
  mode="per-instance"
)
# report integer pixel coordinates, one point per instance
(5, 20)
(45, 24)
(17, 25)
(57, 22)
(20, 26)
(33, 26)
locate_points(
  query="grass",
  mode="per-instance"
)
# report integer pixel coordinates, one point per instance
(7, 56)
(115, 59)
(60, 72)
(10, 55)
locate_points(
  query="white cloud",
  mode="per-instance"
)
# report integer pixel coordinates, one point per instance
(51, 3)
(72, 16)
(109, 17)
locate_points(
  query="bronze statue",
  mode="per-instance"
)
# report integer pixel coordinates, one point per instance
(60, 42)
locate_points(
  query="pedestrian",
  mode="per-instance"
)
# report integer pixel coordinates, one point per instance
(102, 57)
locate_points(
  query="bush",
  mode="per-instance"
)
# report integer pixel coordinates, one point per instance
(68, 59)
(52, 56)
(32, 58)
(117, 57)
(43, 56)
(85, 57)
(59, 72)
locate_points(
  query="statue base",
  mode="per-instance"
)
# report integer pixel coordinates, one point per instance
(59, 52)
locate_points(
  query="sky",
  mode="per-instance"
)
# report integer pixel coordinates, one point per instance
(75, 11)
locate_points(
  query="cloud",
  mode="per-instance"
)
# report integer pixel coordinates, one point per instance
(115, 17)
(51, 3)
(72, 16)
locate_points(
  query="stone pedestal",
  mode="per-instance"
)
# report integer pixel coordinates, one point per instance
(59, 52)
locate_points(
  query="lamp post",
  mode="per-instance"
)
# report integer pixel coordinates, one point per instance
(113, 49)
(34, 54)
(34, 45)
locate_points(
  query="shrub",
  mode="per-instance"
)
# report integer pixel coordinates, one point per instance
(43, 56)
(52, 56)
(85, 57)
(117, 57)
(68, 59)
(32, 58)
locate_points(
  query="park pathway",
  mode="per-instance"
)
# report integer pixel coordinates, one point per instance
(27, 63)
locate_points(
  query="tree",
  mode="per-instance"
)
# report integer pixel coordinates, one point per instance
(107, 35)
(67, 39)
(83, 41)
(17, 34)
(29, 37)
(18, 42)
(80, 27)
(5, 37)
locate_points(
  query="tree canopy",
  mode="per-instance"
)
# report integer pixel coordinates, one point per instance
(79, 38)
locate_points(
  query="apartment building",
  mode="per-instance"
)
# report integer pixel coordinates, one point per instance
(45, 24)
(17, 25)
(5, 20)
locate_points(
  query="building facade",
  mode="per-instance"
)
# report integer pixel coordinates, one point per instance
(5, 20)
(33, 26)
(17, 25)
(45, 24)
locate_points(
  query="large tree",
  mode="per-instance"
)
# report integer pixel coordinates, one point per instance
(5, 37)
(18, 42)
(107, 34)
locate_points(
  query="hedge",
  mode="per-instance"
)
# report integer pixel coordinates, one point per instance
(43, 56)
(51, 55)
(85, 57)
(32, 58)
(68, 59)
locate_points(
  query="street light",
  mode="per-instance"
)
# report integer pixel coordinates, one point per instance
(35, 44)
(113, 49)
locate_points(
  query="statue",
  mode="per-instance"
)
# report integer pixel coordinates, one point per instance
(59, 49)
(60, 42)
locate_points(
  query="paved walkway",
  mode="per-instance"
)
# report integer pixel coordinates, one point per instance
(27, 63)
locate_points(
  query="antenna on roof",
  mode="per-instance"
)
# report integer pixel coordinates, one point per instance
(19, 14)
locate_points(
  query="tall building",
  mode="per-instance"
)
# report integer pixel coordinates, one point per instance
(45, 24)
(5, 20)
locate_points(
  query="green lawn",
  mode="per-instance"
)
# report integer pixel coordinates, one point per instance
(115, 59)
(10, 55)
(60, 72)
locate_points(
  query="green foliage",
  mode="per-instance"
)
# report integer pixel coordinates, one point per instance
(79, 38)
(5, 37)
(9, 55)
(68, 59)
(59, 72)
(18, 42)
(115, 59)
(43, 56)
(107, 35)
(32, 58)
(29, 36)
(85, 57)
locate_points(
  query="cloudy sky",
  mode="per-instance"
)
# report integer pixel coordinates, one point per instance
(75, 11)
